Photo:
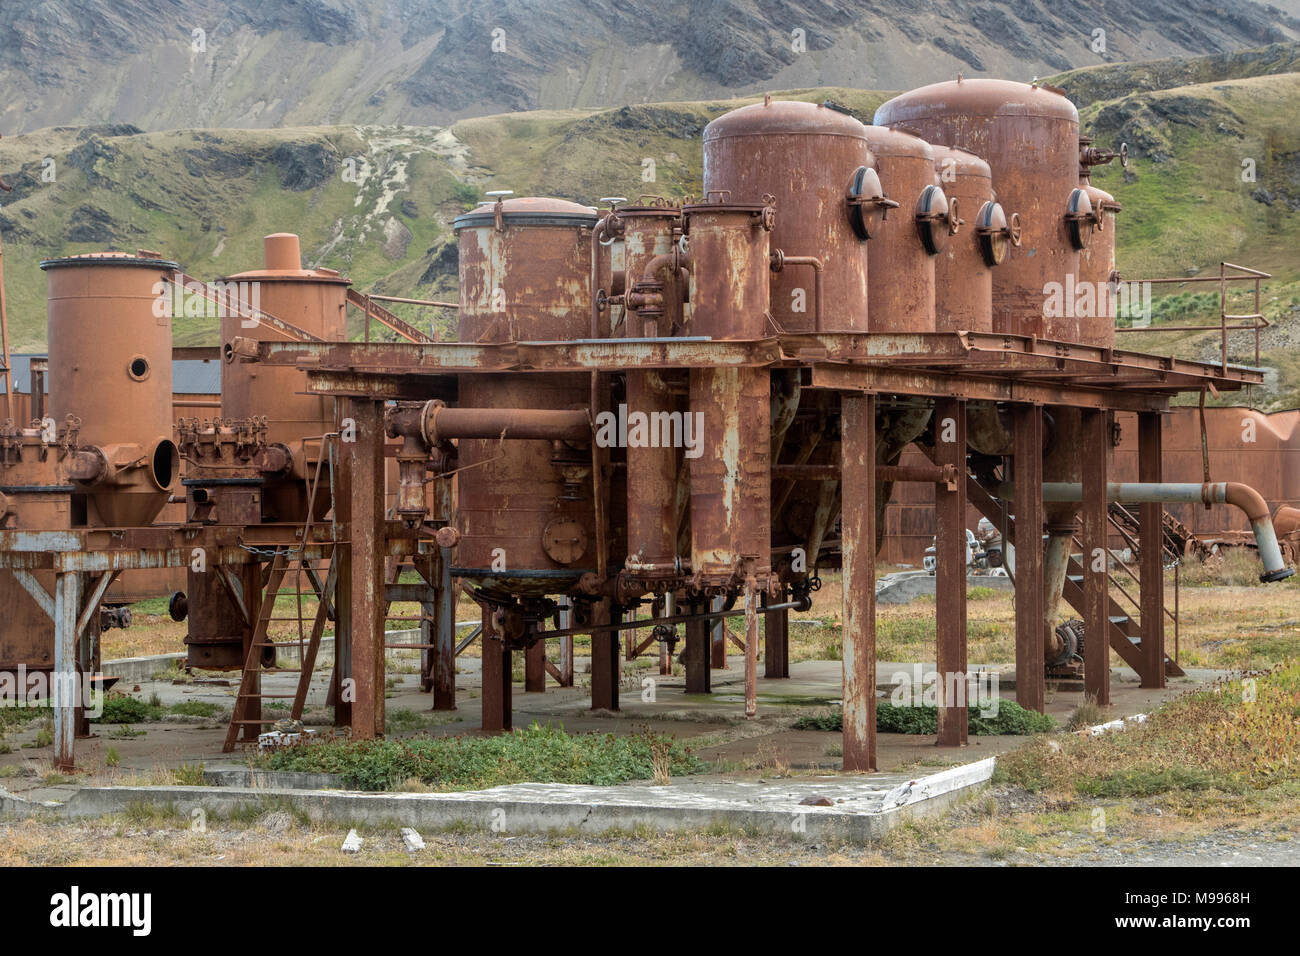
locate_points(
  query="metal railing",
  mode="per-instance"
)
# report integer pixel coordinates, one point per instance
(1253, 321)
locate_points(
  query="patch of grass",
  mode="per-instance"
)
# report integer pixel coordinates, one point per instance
(196, 708)
(893, 718)
(124, 709)
(188, 775)
(1239, 734)
(541, 754)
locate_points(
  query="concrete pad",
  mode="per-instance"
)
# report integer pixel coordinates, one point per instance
(860, 808)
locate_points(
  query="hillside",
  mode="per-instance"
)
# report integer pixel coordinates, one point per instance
(206, 197)
(184, 64)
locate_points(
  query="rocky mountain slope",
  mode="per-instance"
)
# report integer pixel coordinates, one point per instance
(183, 64)
(377, 201)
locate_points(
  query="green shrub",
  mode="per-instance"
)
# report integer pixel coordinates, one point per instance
(893, 718)
(538, 754)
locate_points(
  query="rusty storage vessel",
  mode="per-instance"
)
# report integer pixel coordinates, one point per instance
(525, 510)
(902, 251)
(655, 474)
(815, 164)
(1097, 271)
(730, 489)
(314, 300)
(963, 270)
(110, 365)
(1028, 134)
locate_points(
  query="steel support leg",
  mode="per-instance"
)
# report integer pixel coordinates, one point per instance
(444, 655)
(604, 656)
(950, 574)
(535, 669)
(363, 460)
(496, 699)
(65, 693)
(776, 638)
(751, 647)
(1151, 543)
(1030, 627)
(1096, 559)
(858, 523)
(564, 621)
(698, 637)
(718, 636)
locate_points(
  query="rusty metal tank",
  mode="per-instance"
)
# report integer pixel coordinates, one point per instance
(314, 300)
(730, 456)
(963, 271)
(110, 365)
(814, 163)
(1097, 272)
(902, 251)
(1029, 135)
(35, 496)
(525, 510)
(654, 471)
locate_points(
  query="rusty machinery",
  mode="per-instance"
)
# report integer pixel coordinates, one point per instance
(677, 406)
(101, 462)
(968, 198)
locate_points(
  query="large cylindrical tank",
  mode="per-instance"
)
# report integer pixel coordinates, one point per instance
(807, 158)
(525, 509)
(902, 251)
(1097, 268)
(963, 272)
(1029, 135)
(730, 248)
(314, 300)
(654, 469)
(110, 342)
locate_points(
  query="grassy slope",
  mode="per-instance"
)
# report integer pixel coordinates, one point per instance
(1186, 207)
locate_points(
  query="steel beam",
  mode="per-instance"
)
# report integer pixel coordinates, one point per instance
(363, 460)
(698, 638)
(1030, 627)
(1096, 558)
(776, 638)
(496, 699)
(950, 573)
(604, 655)
(858, 523)
(66, 691)
(444, 654)
(1151, 544)
(718, 637)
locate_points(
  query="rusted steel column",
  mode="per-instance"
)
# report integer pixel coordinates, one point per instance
(950, 573)
(858, 524)
(718, 636)
(363, 460)
(497, 703)
(751, 647)
(1150, 542)
(65, 692)
(535, 669)
(1096, 559)
(250, 579)
(667, 609)
(698, 676)
(1030, 629)
(605, 662)
(776, 638)
(564, 621)
(444, 654)
(342, 690)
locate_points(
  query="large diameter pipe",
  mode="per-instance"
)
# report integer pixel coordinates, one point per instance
(441, 423)
(1210, 493)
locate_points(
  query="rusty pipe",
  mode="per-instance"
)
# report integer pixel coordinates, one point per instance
(438, 423)
(1234, 493)
(780, 260)
(597, 234)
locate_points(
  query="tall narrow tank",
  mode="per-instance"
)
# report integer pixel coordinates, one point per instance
(110, 342)
(815, 164)
(1029, 135)
(963, 272)
(1097, 269)
(525, 508)
(314, 300)
(902, 251)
